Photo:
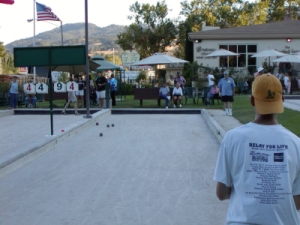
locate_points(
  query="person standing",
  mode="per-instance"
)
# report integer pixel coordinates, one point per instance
(258, 166)
(211, 79)
(13, 93)
(100, 84)
(287, 82)
(113, 88)
(227, 87)
(279, 75)
(80, 92)
(180, 79)
(259, 72)
(164, 93)
(170, 81)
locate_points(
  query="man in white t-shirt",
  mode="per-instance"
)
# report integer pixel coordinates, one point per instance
(211, 79)
(258, 166)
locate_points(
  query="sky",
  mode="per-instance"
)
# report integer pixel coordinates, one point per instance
(14, 25)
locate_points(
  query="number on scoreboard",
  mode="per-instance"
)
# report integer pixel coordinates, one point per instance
(41, 88)
(29, 88)
(60, 87)
(72, 86)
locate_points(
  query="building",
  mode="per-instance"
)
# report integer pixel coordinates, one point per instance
(283, 36)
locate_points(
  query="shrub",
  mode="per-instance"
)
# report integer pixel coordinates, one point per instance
(4, 87)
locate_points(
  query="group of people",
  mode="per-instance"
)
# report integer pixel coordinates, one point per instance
(99, 86)
(258, 166)
(225, 89)
(173, 90)
(286, 80)
(30, 99)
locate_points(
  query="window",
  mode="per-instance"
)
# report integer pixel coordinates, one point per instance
(242, 60)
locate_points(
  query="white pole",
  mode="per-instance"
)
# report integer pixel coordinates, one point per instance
(34, 71)
(114, 55)
(61, 32)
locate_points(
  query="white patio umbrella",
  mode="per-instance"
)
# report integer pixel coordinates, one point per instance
(268, 53)
(159, 58)
(221, 52)
(288, 58)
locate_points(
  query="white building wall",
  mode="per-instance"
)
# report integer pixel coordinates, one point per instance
(201, 49)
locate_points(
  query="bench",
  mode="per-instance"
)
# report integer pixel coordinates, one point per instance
(147, 93)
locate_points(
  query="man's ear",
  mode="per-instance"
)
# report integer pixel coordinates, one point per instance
(252, 101)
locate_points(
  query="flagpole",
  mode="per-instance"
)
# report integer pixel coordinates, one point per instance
(34, 70)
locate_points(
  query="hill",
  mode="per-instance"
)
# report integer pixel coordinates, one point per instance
(100, 39)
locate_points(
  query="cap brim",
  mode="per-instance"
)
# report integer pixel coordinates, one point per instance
(263, 107)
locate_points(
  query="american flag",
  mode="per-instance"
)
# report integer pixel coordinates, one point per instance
(44, 13)
(9, 2)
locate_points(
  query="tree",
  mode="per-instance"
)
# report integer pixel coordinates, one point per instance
(8, 65)
(141, 77)
(151, 31)
(2, 55)
(114, 59)
(279, 9)
(223, 13)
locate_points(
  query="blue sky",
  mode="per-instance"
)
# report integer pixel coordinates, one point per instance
(14, 25)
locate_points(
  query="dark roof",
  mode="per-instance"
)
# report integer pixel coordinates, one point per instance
(274, 30)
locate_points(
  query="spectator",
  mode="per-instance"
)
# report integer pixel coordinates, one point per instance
(164, 93)
(258, 171)
(227, 87)
(213, 93)
(279, 75)
(113, 88)
(222, 74)
(177, 95)
(211, 79)
(100, 84)
(13, 93)
(80, 92)
(180, 79)
(71, 98)
(93, 96)
(287, 83)
(30, 101)
(259, 72)
(170, 81)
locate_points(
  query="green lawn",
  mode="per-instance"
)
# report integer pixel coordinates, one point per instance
(242, 109)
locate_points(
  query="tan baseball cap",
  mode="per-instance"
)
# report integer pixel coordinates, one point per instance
(267, 93)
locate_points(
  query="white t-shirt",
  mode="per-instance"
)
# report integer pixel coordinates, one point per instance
(286, 80)
(210, 82)
(262, 162)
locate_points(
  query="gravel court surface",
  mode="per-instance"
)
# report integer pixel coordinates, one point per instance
(147, 169)
(19, 132)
